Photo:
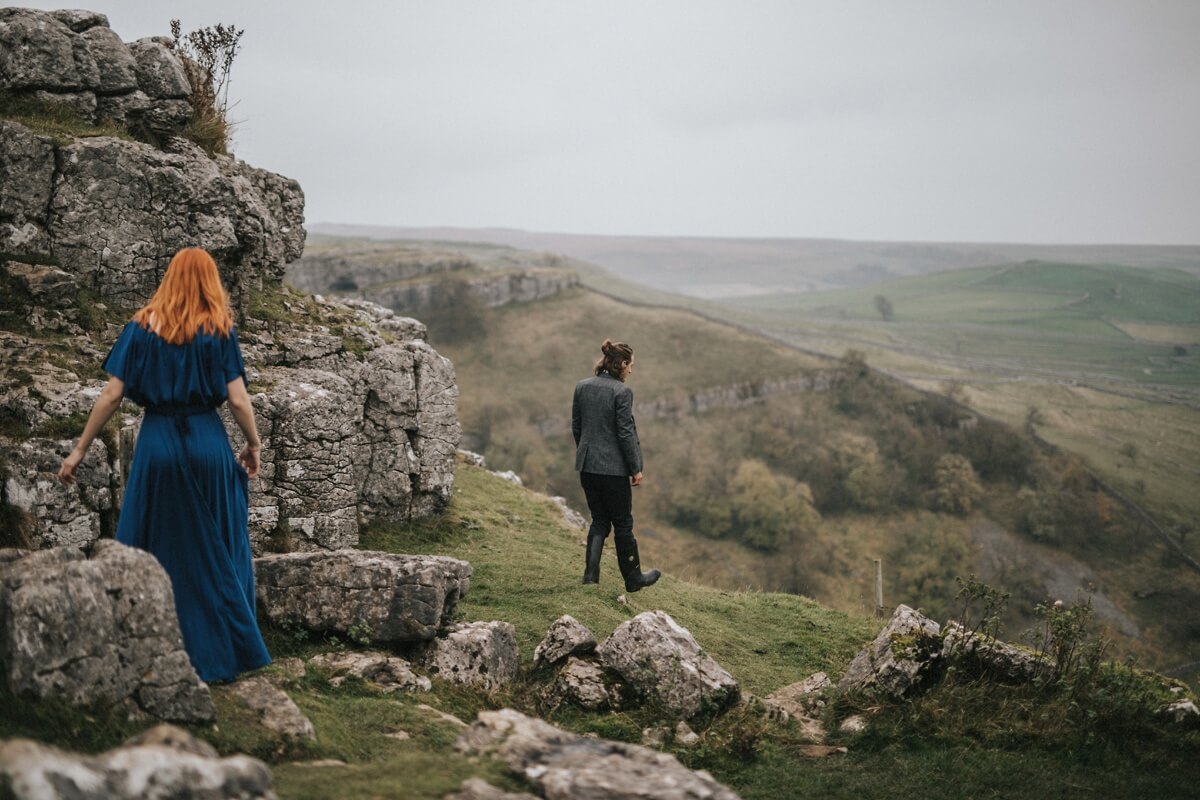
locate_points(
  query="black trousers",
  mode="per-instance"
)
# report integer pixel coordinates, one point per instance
(610, 501)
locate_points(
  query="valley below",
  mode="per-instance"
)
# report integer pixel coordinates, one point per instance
(722, 383)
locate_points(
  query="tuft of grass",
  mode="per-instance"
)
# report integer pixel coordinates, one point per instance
(54, 120)
(89, 729)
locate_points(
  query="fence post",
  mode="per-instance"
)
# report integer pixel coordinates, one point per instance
(879, 587)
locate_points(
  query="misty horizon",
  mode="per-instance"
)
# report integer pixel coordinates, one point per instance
(1074, 122)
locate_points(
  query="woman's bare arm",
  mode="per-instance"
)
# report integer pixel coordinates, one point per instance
(243, 415)
(106, 405)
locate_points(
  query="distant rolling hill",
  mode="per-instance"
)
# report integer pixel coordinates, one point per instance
(728, 267)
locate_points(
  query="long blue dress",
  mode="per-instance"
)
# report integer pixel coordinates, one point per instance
(186, 499)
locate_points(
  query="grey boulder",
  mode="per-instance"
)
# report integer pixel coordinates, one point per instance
(474, 653)
(567, 636)
(898, 659)
(97, 629)
(167, 764)
(565, 766)
(584, 683)
(662, 661)
(393, 598)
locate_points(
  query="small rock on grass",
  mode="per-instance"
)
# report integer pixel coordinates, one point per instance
(386, 673)
(479, 789)
(275, 710)
(566, 636)
(685, 736)
(655, 737)
(853, 724)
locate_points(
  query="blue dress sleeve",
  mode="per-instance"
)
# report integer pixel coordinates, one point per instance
(120, 360)
(233, 365)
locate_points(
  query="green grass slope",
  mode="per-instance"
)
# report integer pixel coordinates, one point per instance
(954, 743)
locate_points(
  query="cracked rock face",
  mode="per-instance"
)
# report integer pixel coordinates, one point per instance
(567, 636)
(899, 658)
(393, 598)
(74, 58)
(998, 659)
(53, 514)
(347, 438)
(474, 653)
(661, 660)
(120, 210)
(564, 766)
(386, 673)
(96, 629)
(174, 764)
(584, 683)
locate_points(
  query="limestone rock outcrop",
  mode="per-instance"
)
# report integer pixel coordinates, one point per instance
(567, 636)
(899, 658)
(358, 412)
(562, 765)
(74, 60)
(354, 427)
(661, 660)
(386, 597)
(410, 279)
(170, 764)
(474, 653)
(585, 684)
(999, 660)
(96, 629)
(73, 206)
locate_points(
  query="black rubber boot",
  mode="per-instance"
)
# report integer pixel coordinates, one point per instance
(595, 549)
(631, 565)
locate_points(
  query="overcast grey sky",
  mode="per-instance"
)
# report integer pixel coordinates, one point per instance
(1038, 121)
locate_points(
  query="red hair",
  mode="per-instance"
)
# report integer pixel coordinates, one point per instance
(189, 299)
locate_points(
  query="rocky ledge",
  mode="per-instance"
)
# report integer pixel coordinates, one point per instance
(383, 597)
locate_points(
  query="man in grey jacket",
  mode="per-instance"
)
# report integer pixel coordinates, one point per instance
(608, 457)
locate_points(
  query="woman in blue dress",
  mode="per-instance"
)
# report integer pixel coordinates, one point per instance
(186, 497)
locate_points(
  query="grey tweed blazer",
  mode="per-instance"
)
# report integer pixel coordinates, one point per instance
(606, 440)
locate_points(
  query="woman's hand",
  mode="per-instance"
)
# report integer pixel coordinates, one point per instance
(635, 479)
(66, 473)
(248, 458)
